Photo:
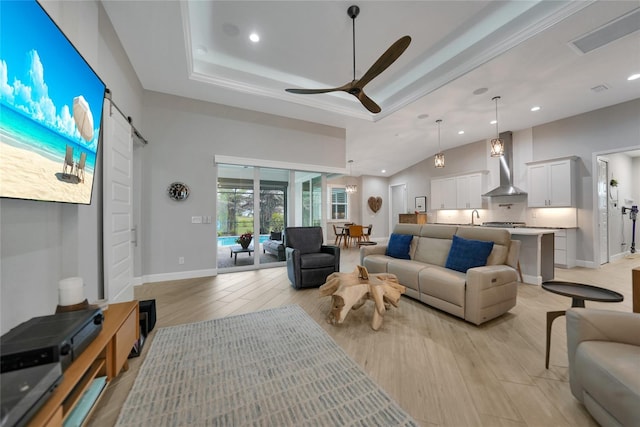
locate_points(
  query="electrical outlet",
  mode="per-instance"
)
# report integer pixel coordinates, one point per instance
(181, 260)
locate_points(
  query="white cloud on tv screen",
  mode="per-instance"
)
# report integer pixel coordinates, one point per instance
(33, 98)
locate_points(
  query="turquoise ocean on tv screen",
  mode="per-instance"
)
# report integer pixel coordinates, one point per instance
(22, 132)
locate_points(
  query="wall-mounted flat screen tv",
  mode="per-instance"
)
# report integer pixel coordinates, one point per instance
(50, 110)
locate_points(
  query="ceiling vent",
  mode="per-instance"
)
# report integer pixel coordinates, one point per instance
(600, 88)
(609, 32)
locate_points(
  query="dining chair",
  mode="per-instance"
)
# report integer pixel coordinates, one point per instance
(355, 233)
(367, 235)
(339, 235)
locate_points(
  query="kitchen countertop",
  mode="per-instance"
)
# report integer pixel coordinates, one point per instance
(515, 230)
(530, 231)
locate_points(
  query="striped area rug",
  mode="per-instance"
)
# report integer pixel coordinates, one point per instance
(271, 368)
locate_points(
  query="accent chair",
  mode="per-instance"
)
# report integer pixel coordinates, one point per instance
(309, 262)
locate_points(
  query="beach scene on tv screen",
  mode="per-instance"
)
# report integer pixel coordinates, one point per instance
(50, 110)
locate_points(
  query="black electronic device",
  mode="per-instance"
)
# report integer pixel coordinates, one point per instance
(25, 391)
(42, 340)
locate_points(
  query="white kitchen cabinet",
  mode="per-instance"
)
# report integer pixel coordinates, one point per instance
(443, 193)
(551, 183)
(565, 248)
(469, 190)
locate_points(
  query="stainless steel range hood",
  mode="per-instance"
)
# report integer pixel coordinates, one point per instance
(506, 187)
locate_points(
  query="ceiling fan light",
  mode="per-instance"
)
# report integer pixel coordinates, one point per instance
(497, 147)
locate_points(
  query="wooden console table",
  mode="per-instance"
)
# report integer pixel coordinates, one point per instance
(106, 356)
(420, 218)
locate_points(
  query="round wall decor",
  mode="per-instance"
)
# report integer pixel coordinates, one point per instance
(178, 191)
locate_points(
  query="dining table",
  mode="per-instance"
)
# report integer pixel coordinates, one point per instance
(366, 231)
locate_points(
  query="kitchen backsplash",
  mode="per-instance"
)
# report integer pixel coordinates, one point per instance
(510, 209)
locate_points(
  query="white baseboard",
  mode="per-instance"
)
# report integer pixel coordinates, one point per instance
(619, 256)
(586, 264)
(124, 295)
(532, 280)
(179, 275)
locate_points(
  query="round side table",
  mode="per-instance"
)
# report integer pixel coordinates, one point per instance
(579, 293)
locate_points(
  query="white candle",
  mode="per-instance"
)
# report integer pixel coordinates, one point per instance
(70, 291)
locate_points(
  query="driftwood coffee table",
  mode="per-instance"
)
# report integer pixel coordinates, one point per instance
(349, 291)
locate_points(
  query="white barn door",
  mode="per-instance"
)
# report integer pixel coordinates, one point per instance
(117, 206)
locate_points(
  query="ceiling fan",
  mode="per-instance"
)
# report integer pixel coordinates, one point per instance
(356, 86)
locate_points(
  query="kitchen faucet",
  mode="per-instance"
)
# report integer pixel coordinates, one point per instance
(477, 216)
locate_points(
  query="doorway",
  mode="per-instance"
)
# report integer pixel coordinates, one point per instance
(603, 210)
(398, 196)
(616, 188)
(251, 206)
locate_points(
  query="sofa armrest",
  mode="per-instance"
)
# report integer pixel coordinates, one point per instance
(513, 255)
(371, 250)
(588, 324)
(491, 291)
(602, 325)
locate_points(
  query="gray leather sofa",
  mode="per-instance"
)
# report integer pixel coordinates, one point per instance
(604, 364)
(481, 294)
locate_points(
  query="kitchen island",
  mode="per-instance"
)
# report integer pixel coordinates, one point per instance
(537, 250)
(536, 253)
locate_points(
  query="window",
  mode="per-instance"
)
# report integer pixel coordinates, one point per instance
(339, 203)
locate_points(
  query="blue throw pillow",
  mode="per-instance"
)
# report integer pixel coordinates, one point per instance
(398, 246)
(466, 253)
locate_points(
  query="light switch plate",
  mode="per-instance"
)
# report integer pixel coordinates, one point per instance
(196, 220)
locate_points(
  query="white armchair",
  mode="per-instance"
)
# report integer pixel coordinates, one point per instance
(604, 364)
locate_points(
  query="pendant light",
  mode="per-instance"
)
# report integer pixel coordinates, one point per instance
(438, 159)
(351, 188)
(497, 144)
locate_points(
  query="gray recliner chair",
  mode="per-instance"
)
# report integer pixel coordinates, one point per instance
(309, 262)
(604, 364)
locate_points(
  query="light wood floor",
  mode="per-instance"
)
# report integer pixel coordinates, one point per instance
(440, 369)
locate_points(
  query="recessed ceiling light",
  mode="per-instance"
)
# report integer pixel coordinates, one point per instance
(633, 77)
(423, 116)
(493, 122)
(460, 132)
(536, 108)
(383, 171)
(254, 37)
(480, 91)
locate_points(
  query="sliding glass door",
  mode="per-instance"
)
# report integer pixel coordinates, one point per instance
(235, 216)
(274, 185)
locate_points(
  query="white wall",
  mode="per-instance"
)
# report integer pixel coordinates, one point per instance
(186, 136)
(41, 242)
(373, 186)
(636, 179)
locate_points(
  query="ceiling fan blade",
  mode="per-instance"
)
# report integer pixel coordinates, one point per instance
(312, 91)
(385, 60)
(368, 103)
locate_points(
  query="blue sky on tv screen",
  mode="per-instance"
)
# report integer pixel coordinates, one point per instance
(41, 73)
